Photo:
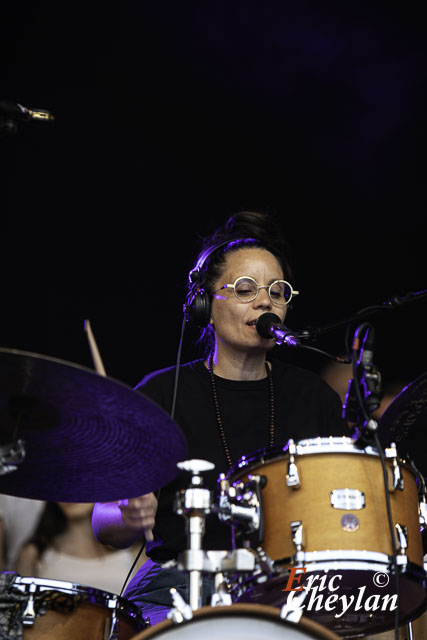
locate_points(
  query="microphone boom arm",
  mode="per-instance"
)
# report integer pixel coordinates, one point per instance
(393, 303)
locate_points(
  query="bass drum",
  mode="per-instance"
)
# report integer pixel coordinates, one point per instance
(237, 622)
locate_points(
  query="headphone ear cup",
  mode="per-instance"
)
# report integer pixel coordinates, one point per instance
(197, 305)
(198, 308)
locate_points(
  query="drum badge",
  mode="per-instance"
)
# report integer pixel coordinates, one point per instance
(350, 522)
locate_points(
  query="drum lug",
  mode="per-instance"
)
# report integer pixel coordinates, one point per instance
(397, 481)
(422, 493)
(402, 537)
(293, 612)
(111, 631)
(423, 513)
(292, 476)
(29, 615)
(112, 628)
(297, 534)
(181, 610)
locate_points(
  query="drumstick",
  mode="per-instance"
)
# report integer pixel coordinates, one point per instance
(97, 361)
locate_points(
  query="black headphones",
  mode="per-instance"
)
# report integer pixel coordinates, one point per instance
(197, 307)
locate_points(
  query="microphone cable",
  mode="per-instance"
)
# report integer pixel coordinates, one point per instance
(178, 362)
(172, 415)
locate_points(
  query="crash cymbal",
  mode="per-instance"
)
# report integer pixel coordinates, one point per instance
(405, 423)
(87, 438)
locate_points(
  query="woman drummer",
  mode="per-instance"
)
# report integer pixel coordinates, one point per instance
(235, 400)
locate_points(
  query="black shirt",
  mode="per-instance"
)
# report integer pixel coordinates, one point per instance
(305, 407)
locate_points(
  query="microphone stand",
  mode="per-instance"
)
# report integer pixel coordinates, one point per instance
(312, 333)
(12, 113)
(363, 398)
(393, 303)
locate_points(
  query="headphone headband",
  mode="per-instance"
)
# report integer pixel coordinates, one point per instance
(194, 274)
(197, 306)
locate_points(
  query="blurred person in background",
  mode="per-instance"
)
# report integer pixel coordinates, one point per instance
(18, 520)
(63, 547)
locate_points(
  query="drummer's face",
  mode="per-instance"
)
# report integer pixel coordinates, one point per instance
(233, 320)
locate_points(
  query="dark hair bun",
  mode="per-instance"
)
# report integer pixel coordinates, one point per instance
(252, 224)
(257, 225)
(262, 227)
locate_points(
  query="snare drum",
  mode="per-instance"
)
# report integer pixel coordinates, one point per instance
(237, 622)
(57, 610)
(324, 509)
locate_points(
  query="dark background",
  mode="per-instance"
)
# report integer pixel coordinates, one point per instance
(170, 116)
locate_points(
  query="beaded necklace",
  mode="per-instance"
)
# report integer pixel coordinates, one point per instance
(218, 411)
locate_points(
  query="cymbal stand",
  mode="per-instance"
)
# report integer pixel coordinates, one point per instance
(12, 453)
(194, 504)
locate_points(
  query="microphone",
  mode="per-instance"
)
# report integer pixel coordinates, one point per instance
(16, 112)
(371, 377)
(364, 391)
(269, 325)
(366, 359)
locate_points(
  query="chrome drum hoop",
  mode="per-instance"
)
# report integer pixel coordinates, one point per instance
(46, 599)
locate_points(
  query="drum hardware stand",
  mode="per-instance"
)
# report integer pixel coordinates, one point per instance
(195, 503)
(11, 455)
(251, 512)
(242, 503)
(265, 563)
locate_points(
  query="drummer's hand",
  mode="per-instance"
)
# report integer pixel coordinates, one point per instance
(140, 513)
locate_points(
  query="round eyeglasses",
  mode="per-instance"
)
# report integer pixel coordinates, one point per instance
(246, 289)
